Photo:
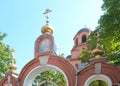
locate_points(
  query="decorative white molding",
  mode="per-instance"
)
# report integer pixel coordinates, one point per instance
(98, 77)
(98, 68)
(44, 59)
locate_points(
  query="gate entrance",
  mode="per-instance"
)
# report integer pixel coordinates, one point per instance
(50, 78)
(45, 63)
(36, 71)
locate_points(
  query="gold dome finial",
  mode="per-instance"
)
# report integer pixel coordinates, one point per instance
(12, 66)
(98, 52)
(47, 28)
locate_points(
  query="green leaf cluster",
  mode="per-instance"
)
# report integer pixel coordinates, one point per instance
(5, 55)
(109, 24)
(51, 75)
(98, 83)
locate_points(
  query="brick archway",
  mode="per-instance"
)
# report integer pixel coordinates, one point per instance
(99, 69)
(39, 69)
(34, 67)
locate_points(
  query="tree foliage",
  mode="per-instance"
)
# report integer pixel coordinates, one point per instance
(98, 83)
(109, 24)
(51, 75)
(4, 56)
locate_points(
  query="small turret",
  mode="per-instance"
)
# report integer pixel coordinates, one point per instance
(12, 66)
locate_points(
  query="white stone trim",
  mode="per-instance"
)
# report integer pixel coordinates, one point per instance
(44, 59)
(98, 68)
(98, 77)
(34, 72)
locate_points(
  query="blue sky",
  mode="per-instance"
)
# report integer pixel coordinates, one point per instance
(22, 21)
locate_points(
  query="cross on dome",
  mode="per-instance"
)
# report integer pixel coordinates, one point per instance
(47, 17)
(47, 28)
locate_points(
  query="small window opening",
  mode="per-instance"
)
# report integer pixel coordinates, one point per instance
(84, 39)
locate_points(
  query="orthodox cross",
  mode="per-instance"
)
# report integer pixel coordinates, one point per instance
(47, 17)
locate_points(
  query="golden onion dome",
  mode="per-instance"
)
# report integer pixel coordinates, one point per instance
(97, 53)
(12, 67)
(47, 29)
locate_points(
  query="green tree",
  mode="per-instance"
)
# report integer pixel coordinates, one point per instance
(51, 75)
(109, 24)
(5, 55)
(84, 56)
(98, 83)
